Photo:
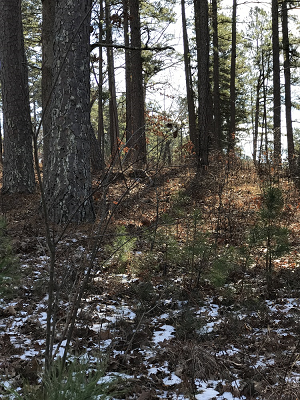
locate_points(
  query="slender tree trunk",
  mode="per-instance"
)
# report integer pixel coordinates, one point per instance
(217, 145)
(188, 81)
(48, 14)
(129, 132)
(113, 109)
(276, 85)
(67, 176)
(232, 127)
(202, 40)
(256, 116)
(18, 171)
(287, 87)
(100, 83)
(1, 146)
(265, 121)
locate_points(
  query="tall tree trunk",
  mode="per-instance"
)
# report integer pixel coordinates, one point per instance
(1, 146)
(287, 87)
(18, 171)
(217, 145)
(100, 83)
(276, 85)
(48, 15)
(138, 140)
(256, 116)
(188, 81)
(265, 101)
(113, 109)
(67, 176)
(232, 127)
(129, 132)
(202, 40)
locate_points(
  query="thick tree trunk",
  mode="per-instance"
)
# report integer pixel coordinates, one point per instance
(287, 87)
(188, 80)
(67, 176)
(138, 139)
(276, 85)
(202, 39)
(18, 171)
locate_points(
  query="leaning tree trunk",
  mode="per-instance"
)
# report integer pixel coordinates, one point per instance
(67, 176)
(18, 171)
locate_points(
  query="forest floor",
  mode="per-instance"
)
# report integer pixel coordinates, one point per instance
(180, 305)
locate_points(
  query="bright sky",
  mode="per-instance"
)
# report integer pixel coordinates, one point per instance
(176, 74)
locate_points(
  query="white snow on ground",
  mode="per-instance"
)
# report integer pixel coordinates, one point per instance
(163, 332)
(166, 332)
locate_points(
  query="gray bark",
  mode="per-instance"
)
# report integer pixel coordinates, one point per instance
(18, 171)
(67, 176)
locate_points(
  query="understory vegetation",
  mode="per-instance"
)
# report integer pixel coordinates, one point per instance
(193, 290)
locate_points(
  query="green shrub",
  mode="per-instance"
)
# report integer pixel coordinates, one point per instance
(81, 379)
(268, 232)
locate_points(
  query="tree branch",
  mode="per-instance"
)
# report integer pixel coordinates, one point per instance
(121, 46)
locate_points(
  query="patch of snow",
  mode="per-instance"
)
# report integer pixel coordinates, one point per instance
(206, 394)
(166, 332)
(172, 380)
(229, 352)
(61, 350)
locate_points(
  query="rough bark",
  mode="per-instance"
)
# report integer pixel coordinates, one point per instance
(18, 171)
(202, 40)
(47, 70)
(138, 139)
(67, 176)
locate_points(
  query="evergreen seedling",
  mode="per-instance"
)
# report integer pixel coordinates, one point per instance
(267, 232)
